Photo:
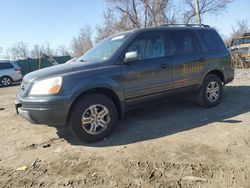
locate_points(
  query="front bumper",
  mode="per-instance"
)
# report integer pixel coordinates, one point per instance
(53, 113)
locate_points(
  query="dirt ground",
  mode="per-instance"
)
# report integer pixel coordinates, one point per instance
(161, 144)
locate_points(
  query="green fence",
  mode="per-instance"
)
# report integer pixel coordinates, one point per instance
(30, 65)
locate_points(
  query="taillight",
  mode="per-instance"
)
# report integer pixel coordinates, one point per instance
(18, 70)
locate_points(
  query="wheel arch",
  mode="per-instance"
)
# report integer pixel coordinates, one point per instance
(101, 90)
(219, 73)
(7, 76)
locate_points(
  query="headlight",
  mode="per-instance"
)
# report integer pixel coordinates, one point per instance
(47, 86)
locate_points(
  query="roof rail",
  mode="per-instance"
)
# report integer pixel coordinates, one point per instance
(186, 25)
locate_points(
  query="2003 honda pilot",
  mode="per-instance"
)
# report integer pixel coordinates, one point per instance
(91, 94)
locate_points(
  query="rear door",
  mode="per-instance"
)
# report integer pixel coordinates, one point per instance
(187, 57)
(6, 69)
(152, 72)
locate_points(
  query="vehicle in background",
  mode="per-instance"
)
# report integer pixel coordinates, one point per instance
(241, 45)
(10, 72)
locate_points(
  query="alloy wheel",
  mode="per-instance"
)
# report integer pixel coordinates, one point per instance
(5, 81)
(95, 119)
(213, 91)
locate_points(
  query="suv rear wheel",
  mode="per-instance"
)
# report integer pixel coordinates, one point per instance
(5, 81)
(211, 91)
(93, 117)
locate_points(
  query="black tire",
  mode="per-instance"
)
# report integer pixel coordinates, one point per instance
(5, 81)
(81, 107)
(203, 98)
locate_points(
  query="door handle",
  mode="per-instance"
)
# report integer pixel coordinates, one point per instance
(164, 66)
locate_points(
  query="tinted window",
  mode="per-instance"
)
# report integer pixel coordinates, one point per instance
(183, 42)
(147, 46)
(241, 41)
(212, 40)
(245, 40)
(6, 66)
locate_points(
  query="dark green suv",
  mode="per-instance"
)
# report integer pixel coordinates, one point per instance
(123, 70)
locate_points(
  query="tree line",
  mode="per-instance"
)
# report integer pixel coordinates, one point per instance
(123, 15)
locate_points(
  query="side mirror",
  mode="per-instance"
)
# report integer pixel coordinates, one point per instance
(131, 56)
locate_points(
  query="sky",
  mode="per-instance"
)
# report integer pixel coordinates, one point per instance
(39, 21)
(238, 10)
(57, 21)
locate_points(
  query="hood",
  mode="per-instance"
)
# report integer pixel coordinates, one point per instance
(60, 70)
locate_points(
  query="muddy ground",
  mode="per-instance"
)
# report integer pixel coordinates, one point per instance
(162, 144)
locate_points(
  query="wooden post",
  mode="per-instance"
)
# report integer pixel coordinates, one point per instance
(198, 12)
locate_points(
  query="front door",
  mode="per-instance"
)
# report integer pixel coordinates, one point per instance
(152, 72)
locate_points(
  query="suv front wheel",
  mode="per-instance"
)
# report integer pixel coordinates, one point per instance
(93, 117)
(210, 92)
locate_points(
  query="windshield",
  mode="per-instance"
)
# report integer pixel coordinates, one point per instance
(104, 50)
(242, 41)
(246, 41)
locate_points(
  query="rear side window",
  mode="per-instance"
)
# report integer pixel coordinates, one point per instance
(212, 40)
(6, 66)
(148, 46)
(182, 42)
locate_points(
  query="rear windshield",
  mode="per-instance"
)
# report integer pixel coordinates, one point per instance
(6, 66)
(212, 40)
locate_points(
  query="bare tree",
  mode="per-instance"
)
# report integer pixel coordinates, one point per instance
(241, 28)
(145, 13)
(128, 8)
(62, 50)
(37, 51)
(111, 25)
(125, 15)
(83, 42)
(12, 53)
(48, 51)
(157, 12)
(18, 51)
(23, 50)
(212, 7)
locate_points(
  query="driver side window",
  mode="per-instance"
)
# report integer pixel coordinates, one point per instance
(148, 46)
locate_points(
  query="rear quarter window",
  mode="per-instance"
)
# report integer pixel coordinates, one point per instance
(6, 66)
(212, 40)
(182, 42)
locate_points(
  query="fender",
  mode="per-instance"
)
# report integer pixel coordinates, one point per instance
(209, 67)
(99, 83)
